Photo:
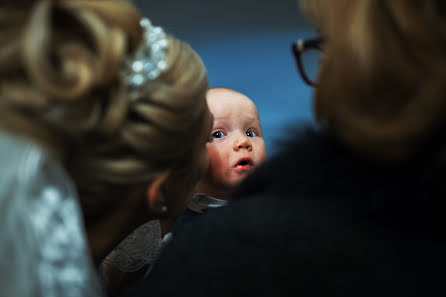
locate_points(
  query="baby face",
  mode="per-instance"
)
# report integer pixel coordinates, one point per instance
(236, 145)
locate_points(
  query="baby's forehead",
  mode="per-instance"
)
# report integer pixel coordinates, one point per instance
(222, 99)
(229, 105)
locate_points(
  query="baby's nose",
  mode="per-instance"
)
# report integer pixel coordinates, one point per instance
(242, 143)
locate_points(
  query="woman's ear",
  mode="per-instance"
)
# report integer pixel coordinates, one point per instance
(155, 193)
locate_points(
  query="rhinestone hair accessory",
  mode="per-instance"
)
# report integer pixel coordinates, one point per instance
(149, 60)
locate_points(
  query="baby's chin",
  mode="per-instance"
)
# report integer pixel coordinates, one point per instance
(235, 181)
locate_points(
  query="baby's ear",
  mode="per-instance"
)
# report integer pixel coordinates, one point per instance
(155, 194)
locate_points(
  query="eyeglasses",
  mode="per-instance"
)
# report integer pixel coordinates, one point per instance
(307, 54)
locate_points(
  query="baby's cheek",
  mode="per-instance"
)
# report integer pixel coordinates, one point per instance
(262, 156)
(216, 161)
(261, 151)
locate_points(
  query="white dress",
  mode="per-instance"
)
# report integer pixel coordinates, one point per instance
(43, 250)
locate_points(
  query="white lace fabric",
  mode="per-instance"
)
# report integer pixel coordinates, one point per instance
(144, 244)
(139, 249)
(43, 249)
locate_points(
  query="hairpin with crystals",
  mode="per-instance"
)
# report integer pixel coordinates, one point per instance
(148, 61)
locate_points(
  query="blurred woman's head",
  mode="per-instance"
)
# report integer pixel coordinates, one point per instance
(381, 81)
(61, 85)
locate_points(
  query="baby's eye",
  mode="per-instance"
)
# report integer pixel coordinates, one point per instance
(218, 134)
(251, 134)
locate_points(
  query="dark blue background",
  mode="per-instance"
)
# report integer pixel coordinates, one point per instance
(245, 45)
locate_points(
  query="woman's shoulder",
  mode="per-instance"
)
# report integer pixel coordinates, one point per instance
(42, 229)
(312, 162)
(19, 155)
(302, 159)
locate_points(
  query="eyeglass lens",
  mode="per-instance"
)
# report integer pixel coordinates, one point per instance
(310, 62)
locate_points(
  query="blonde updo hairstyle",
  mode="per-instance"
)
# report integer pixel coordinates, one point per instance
(61, 86)
(382, 77)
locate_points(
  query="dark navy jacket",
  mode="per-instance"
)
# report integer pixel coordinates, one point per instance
(315, 220)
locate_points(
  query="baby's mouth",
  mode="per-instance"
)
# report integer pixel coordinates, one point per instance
(244, 164)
